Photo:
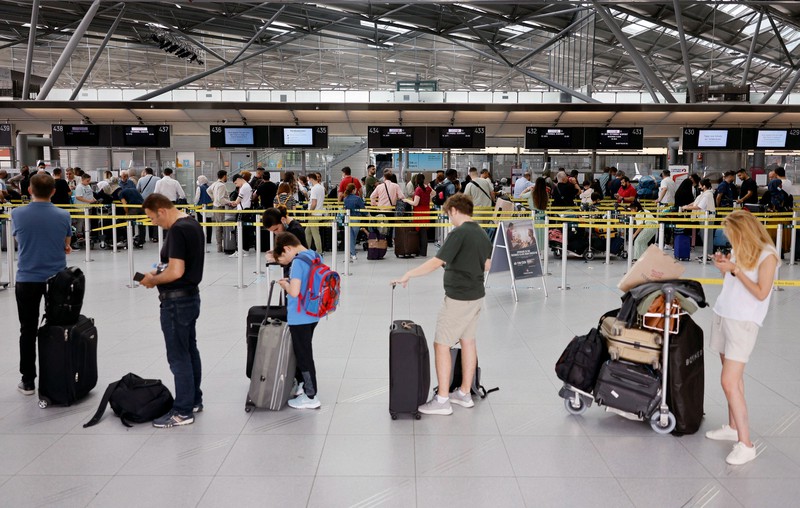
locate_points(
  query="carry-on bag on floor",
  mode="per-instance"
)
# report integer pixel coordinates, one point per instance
(409, 367)
(683, 247)
(632, 344)
(456, 376)
(581, 360)
(406, 242)
(686, 376)
(255, 317)
(376, 246)
(229, 242)
(67, 362)
(274, 367)
(628, 387)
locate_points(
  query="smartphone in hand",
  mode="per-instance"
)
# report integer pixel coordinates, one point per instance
(138, 277)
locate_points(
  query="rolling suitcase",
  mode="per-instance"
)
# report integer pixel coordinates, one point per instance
(376, 246)
(628, 387)
(67, 362)
(683, 247)
(406, 242)
(274, 367)
(229, 239)
(409, 367)
(255, 317)
(632, 344)
(686, 376)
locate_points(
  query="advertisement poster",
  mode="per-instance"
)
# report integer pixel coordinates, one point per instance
(522, 249)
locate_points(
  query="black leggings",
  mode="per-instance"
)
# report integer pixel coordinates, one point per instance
(304, 353)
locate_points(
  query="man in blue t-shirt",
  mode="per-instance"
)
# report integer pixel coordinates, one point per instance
(43, 233)
(301, 325)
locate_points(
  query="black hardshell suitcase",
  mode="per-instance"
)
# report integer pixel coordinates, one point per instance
(628, 387)
(409, 367)
(255, 317)
(406, 242)
(67, 362)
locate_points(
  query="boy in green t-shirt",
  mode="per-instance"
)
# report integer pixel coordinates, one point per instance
(465, 256)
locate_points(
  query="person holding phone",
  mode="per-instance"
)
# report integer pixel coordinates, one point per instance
(182, 258)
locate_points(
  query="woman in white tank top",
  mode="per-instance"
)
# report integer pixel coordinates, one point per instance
(739, 312)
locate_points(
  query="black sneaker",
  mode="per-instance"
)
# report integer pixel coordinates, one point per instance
(26, 388)
(172, 419)
(198, 408)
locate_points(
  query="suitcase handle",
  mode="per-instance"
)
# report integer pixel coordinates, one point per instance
(391, 313)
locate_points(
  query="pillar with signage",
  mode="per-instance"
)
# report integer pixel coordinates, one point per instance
(515, 250)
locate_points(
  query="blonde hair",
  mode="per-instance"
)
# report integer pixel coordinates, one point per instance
(748, 238)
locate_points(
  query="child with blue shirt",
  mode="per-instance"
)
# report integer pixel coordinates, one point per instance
(301, 325)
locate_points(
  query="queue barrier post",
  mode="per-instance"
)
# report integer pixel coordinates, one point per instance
(160, 234)
(564, 229)
(793, 247)
(205, 225)
(10, 253)
(348, 238)
(240, 255)
(778, 245)
(629, 232)
(661, 239)
(608, 237)
(705, 239)
(546, 247)
(129, 232)
(334, 243)
(114, 229)
(87, 238)
(258, 249)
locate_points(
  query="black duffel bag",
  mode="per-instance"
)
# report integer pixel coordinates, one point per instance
(135, 400)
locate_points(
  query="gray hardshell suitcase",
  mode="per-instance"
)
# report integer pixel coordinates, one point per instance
(273, 367)
(229, 239)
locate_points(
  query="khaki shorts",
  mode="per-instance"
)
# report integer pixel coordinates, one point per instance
(733, 338)
(458, 319)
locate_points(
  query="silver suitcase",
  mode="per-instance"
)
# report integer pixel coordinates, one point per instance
(273, 367)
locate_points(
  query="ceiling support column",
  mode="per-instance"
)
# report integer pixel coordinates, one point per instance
(97, 54)
(26, 82)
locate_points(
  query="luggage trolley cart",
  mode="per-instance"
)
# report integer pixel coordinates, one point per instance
(661, 419)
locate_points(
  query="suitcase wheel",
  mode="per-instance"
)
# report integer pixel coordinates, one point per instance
(574, 407)
(248, 406)
(394, 416)
(588, 255)
(655, 423)
(417, 416)
(44, 402)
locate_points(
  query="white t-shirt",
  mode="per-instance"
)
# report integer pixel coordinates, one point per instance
(171, 188)
(705, 201)
(736, 302)
(669, 196)
(789, 187)
(83, 191)
(245, 194)
(520, 185)
(317, 193)
(586, 196)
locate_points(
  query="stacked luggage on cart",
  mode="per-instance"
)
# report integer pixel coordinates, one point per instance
(577, 242)
(644, 360)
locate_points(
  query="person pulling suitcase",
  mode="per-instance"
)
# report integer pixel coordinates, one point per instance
(465, 256)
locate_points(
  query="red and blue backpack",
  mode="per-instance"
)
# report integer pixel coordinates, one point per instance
(321, 294)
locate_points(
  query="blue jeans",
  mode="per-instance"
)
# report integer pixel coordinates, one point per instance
(178, 319)
(353, 236)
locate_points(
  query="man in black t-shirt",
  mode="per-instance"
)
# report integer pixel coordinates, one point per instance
(63, 194)
(266, 192)
(565, 191)
(748, 192)
(178, 277)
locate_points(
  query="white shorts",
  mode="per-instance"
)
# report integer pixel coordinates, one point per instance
(733, 338)
(458, 319)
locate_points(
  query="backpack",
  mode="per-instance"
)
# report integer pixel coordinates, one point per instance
(64, 297)
(579, 364)
(321, 295)
(135, 400)
(648, 189)
(439, 194)
(456, 376)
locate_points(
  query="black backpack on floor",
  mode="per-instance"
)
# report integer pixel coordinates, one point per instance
(135, 400)
(579, 364)
(64, 297)
(455, 382)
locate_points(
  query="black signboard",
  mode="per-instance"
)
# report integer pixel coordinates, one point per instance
(558, 138)
(393, 137)
(460, 137)
(705, 139)
(770, 139)
(6, 138)
(238, 136)
(80, 135)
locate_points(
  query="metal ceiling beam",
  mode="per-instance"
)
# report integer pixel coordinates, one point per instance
(775, 87)
(687, 67)
(789, 87)
(557, 37)
(26, 81)
(195, 77)
(644, 69)
(97, 54)
(68, 50)
(752, 51)
(258, 34)
(780, 39)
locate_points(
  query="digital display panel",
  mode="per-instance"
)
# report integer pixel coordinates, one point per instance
(141, 136)
(5, 135)
(618, 138)
(461, 137)
(553, 138)
(239, 136)
(298, 136)
(396, 137)
(714, 139)
(771, 138)
(223, 136)
(79, 135)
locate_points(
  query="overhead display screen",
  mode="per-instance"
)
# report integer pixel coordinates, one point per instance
(154, 136)
(771, 138)
(553, 138)
(80, 135)
(298, 136)
(617, 138)
(711, 139)
(239, 136)
(5, 135)
(396, 137)
(460, 137)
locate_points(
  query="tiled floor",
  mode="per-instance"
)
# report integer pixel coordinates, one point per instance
(517, 448)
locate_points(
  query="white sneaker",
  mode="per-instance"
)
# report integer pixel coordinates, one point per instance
(724, 433)
(303, 402)
(461, 400)
(297, 389)
(353, 258)
(434, 407)
(741, 454)
(236, 254)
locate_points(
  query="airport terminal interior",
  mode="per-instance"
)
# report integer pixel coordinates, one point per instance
(199, 86)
